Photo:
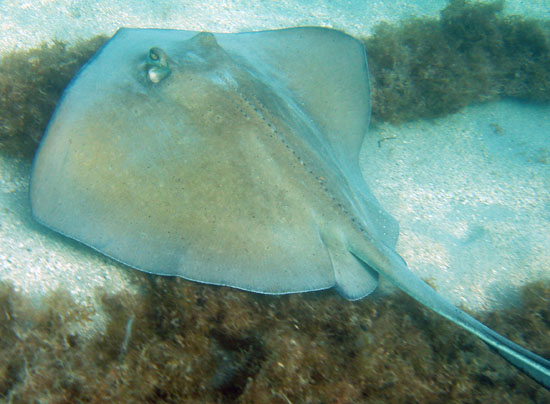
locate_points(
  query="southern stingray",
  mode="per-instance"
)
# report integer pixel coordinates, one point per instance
(230, 159)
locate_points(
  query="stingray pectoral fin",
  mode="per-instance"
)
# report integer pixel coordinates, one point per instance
(255, 259)
(327, 72)
(152, 235)
(392, 266)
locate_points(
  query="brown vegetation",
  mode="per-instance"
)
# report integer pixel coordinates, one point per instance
(432, 67)
(182, 342)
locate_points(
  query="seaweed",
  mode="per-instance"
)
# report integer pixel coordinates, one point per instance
(429, 67)
(31, 83)
(203, 344)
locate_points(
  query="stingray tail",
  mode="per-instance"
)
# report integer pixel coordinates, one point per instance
(394, 267)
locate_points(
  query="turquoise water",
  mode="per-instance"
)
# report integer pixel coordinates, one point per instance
(470, 191)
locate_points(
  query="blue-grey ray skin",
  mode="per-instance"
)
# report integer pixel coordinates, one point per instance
(230, 159)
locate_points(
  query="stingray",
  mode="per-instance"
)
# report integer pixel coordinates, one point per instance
(230, 159)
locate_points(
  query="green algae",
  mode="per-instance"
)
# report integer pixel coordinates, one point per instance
(31, 83)
(206, 344)
(430, 67)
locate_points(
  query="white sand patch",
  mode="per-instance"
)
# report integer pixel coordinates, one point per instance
(26, 23)
(471, 192)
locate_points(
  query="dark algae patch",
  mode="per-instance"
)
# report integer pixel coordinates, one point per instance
(31, 83)
(432, 67)
(180, 342)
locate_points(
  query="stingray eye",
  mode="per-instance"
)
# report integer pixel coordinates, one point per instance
(157, 66)
(154, 54)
